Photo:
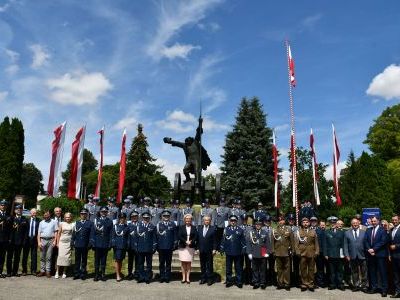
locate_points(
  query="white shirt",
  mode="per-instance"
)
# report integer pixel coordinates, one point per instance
(394, 231)
(356, 233)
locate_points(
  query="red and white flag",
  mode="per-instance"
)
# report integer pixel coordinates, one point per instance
(100, 173)
(74, 185)
(291, 66)
(276, 175)
(122, 165)
(315, 169)
(293, 168)
(57, 149)
(336, 157)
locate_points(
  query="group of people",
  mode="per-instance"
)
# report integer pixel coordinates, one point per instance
(259, 252)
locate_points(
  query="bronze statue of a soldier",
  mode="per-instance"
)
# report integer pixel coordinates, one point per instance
(197, 158)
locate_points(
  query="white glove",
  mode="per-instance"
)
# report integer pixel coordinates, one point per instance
(266, 255)
(250, 256)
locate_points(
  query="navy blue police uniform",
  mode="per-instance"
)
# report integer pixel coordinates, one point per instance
(119, 239)
(5, 229)
(132, 246)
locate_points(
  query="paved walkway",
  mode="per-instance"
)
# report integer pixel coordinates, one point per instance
(42, 288)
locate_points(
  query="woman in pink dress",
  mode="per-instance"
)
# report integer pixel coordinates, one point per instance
(187, 236)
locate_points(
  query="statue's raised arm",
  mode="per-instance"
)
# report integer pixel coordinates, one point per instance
(173, 143)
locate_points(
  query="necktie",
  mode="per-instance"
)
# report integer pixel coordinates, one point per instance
(373, 235)
(31, 233)
(355, 234)
(205, 231)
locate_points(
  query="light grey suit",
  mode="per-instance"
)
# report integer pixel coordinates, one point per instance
(354, 248)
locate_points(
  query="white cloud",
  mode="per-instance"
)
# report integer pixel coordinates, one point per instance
(128, 122)
(40, 55)
(200, 87)
(213, 169)
(12, 69)
(178, 50)
(79, 89)
(329, 170)
(173, 17)
(386, 84)
(311, 21)
(13, 55)
(212, 26)
(283, 152)
(3, 96)
(180, 122)
(169, 168)
(282, 127)
(285, 175)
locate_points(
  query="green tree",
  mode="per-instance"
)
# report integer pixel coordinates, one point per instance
(305, 188)
(247, 160)
(348, 180)
(394, 171)
(89, 164)
(383, 137)
(12, 153)
(109, 181)
(143, 176)
(31, 184)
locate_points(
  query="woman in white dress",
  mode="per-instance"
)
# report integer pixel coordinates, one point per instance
(64, 236)
(187, 236)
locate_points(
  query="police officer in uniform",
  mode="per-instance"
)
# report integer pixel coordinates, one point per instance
(112, 210)
(100, 240)
(206, 211)
(270, 267)
(307, 247)
(234, 246)
(80, 241)
(186, 210)
(127, 208)
(167, 241)
(257, 245)
(18, 236)
(295, 259)
(221, 220)
(259, 212)
(175, 212)
(132, 246)
(144, 206)
(119, 241)
(132, 205)
(146, 246)
(282, 244)
(237, 210)
(92, 207)
(156, 212)
(5, 228)
(246, 262)
(332, 245)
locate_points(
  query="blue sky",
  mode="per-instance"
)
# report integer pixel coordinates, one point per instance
(118, 63)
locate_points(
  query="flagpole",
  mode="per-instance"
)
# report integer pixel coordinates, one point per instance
(292, 127)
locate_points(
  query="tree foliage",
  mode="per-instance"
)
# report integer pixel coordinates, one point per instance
(12, 153)
(31, 184)
(247, 160)
(109, 181)
(143, 176)
(67, 205)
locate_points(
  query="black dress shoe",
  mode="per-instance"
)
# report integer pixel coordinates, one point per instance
(341, 288)
(263, 286)
(96, 278)
(355, 289)
(202, 282)
(229, 284)
(239, 285)
(129, 277)
(255, 287)
(384, 295)
(166, 280)
(209, 283)
(103, 278)
(367, 291)
(303, 289)
(287, 288)
(397, 295)
(76, 277)
(331, 288)
(311, 289)
(279, 287)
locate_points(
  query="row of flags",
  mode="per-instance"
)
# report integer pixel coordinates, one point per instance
(74, 182)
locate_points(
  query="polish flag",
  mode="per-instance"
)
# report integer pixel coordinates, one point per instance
(276, 177)
(315, 169)
(74, 185)
(336, 157)
(99, 175)
(291, 66)
(293, 168)
(57, 149)
(122, 165)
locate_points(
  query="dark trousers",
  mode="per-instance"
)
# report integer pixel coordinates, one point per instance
(81, 255)
(145, 274)
(270, 270)
(237, 260)
(3, 251)
(31, 248)
(100, 260)
(336, 275)
(13, 258)
(165, 260)
(54, 256)
(258, 266)
(377, 265)
(396, 274)
(294, 275)
(320, 276)
(359, 276)
(219, 234)
(207, 266)
(133, 257)
(247, 274)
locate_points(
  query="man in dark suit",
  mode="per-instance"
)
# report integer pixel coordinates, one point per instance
(375, 243)
(31, 244)
(207, 245)
(395, 254)
(355, 254)
(5, 229)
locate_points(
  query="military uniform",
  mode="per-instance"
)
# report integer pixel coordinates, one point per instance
(146, 245)
(132, 248)
(175, 212)
(282, 245)
(143, 208)
(322, 265)
(100, 240)
(166, 235)
(221, 219)
(294, 259)
(92, 207)
(206, 211)
(80, 242)
(270, 264)
(155, 213)
(246, 262)
(257, 246)
(126, 208)
(5, 228)
(333, 249)
(238, 212)
(18, 236)
(119, 240)
(234, 246)
(306, 245)
(112, 210)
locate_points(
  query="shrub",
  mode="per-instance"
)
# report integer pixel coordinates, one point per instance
(66, 204)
